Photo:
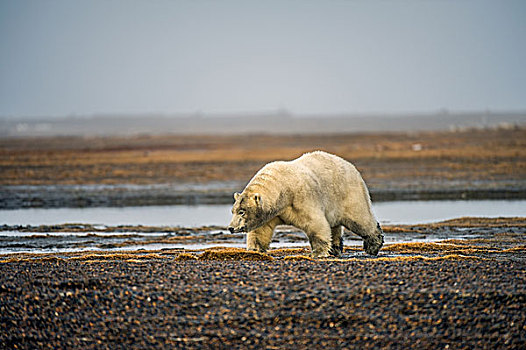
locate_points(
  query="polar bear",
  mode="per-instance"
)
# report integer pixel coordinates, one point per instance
(317, 193)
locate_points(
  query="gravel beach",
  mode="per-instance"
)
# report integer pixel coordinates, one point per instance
(263, 304)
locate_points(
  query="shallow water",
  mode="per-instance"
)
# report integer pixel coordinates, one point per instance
(54, 243)
(174, 215)
(420, 212)
(96, 238)
(400, 212)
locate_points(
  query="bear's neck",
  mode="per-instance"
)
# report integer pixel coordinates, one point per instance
(274, 196)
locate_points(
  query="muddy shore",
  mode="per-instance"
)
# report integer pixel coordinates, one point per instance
(76, 240)
(455, 293)
(82, 196)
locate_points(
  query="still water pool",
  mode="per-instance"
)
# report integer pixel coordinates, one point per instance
(399, 212)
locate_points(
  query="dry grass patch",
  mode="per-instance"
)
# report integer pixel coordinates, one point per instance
(287, 251)
(234, 254)
(468, 221)
(400, 229)
(431, 247)
(42, 259)
(161, 159)
(298, 258)
(185, 257)
(352, 249)
(515, 249)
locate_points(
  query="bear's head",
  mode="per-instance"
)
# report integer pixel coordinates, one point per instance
(373, 243)
(247, 212)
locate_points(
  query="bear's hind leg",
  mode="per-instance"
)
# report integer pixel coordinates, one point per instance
(319, 236)
(336, 241)
(372, 235)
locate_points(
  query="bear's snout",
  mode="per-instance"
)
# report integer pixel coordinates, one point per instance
(233, 229)
(237, 224)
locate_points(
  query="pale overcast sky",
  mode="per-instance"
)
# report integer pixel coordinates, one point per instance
(63, 57)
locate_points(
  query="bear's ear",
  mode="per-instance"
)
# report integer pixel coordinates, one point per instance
(236, 195)
(257, 199)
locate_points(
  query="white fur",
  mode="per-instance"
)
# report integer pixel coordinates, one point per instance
(317, 193)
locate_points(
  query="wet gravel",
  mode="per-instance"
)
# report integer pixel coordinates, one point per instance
(276, 304)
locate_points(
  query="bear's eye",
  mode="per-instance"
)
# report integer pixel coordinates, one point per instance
(241, 212)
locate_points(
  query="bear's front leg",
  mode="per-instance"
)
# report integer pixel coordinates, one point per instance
(260, 238)
(253, 242)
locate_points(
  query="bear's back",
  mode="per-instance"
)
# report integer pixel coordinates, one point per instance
(318, 169)
(323, 163)
(336, 183)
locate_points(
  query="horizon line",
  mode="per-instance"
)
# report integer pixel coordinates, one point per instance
(281, 112)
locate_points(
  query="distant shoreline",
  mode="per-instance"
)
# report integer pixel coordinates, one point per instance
(274, 123)
(165, 170)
